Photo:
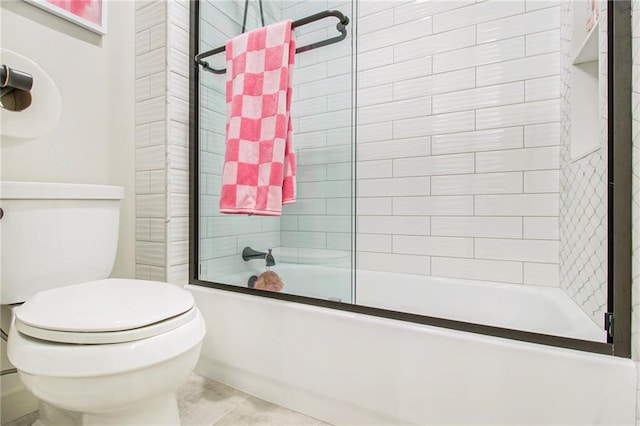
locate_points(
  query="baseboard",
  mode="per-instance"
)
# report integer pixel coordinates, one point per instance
(303, 399)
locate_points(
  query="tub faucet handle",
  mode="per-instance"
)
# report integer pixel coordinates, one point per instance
(269, 260)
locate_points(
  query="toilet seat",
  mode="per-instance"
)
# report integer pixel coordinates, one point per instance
(106, 337)
(113, 325)
(105, 312)
(45, 358)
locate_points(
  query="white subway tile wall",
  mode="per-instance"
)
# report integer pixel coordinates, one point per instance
(151, 141)
(457, 139)
(162, 178)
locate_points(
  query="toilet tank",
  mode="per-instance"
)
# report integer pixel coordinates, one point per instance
(55, 234)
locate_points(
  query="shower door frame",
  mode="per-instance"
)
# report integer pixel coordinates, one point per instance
(619, 204)
(620, 168)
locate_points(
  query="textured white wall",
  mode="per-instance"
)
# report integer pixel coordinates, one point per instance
(93, 142)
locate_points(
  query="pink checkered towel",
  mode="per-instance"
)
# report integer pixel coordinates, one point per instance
(259, 165)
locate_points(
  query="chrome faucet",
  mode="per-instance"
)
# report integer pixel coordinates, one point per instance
(249, 254)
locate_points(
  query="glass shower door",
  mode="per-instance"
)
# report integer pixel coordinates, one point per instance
(311, 243)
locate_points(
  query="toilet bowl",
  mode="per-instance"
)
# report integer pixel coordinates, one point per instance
(94, 350)
(107, 352)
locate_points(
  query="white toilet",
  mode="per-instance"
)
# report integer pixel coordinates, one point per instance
(95, 351)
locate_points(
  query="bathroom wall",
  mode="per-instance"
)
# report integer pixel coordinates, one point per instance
(458, 134)
(583, 178)
(161, 141)
(93, 142)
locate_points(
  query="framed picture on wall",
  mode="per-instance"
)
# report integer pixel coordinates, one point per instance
(90, 14)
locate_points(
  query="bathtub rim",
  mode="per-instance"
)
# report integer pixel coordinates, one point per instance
(368, 293)
(487, 330)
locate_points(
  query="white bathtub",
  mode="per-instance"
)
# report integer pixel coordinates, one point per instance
(347, 368)
(537, 309)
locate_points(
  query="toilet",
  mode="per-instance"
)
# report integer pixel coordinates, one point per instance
(94, 350)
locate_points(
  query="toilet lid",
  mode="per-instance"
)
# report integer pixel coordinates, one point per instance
(105, 311)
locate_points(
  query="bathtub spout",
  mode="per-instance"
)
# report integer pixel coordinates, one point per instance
(249, 254)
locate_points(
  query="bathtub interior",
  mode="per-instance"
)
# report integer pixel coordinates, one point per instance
(536, 309)
(317, 281)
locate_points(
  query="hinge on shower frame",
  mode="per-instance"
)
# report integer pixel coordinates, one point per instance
(608, 323)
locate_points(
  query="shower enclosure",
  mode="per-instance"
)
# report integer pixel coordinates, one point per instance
(454, 166)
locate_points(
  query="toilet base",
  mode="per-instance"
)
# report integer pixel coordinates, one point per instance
(140, 393)
(50, 415)
(160, 411)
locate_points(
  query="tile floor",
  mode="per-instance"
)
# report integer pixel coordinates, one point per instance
(203, 402)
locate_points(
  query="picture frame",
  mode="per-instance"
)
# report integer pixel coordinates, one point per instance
(89, 14)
